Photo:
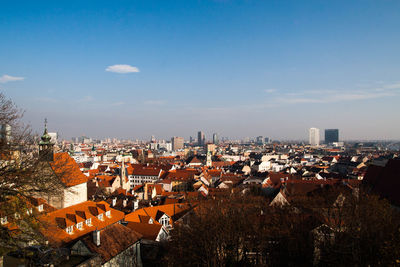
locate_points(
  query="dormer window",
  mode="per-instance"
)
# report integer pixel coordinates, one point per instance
(164, 221)
(100, 216)
(29, 211)
(108, 214)
(89, 221)
(40, 208)
(79, 226)
(151, 221)
(69, 229)
(4, 220)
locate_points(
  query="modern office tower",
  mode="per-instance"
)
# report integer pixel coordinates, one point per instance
(201, 138)
(215, 139)
(191, 140)
(266, 140)
(314, 136)
(260, 140)
(331, 135)
(177, 142)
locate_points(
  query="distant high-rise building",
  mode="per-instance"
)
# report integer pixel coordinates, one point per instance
(260, 140)
(177, 142)
(191, 140)
(331, 135)
(201, 138)
(314, 136)
(215, 139)
(266, 140)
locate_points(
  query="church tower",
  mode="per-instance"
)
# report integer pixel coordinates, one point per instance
(46, 147)
(209, 160)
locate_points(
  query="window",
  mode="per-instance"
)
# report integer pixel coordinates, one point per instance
(79, 225)
(40, 208)
(4, 220)
(100, 216)
(108, 214)
(89, 221)
(69, 230)
(164, 221)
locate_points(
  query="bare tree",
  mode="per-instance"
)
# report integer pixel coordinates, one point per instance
(334, 227)
(23, 175)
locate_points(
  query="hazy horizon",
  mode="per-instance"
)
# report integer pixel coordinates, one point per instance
(171, 68)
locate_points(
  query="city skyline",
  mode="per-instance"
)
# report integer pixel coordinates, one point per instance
(239, 68)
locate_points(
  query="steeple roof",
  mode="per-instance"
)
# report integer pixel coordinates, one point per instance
(46, 138)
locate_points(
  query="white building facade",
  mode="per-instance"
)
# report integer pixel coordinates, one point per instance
(314, 136)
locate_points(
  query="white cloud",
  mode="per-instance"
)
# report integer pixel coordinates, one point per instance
(393, 86)
(7, 78)
(85, 99)
(270, 91)
(122, 69)
(154, 102)
(338, 97)
(117, 103)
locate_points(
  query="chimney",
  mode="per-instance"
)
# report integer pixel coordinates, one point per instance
(96, 237)
(124, 202)
(114, 202)
(136, 204)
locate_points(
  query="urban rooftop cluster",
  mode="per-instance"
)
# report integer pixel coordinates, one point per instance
(121, 201)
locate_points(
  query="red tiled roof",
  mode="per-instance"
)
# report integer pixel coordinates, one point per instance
(146, 171)
(114, 239)
(185, 174)
(222, 163)
(195, 160)
(137, 187)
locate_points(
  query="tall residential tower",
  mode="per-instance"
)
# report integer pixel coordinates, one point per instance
(314, 136)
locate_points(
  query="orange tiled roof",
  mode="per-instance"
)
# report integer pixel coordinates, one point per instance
(67, 170)
(56, 222)
(158, 187)
(105, 180)
(148, 231)
(172, 210)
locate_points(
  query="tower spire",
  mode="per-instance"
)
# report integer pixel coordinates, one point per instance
(45, 145)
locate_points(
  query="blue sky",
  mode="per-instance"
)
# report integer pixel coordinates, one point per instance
(239, 68)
